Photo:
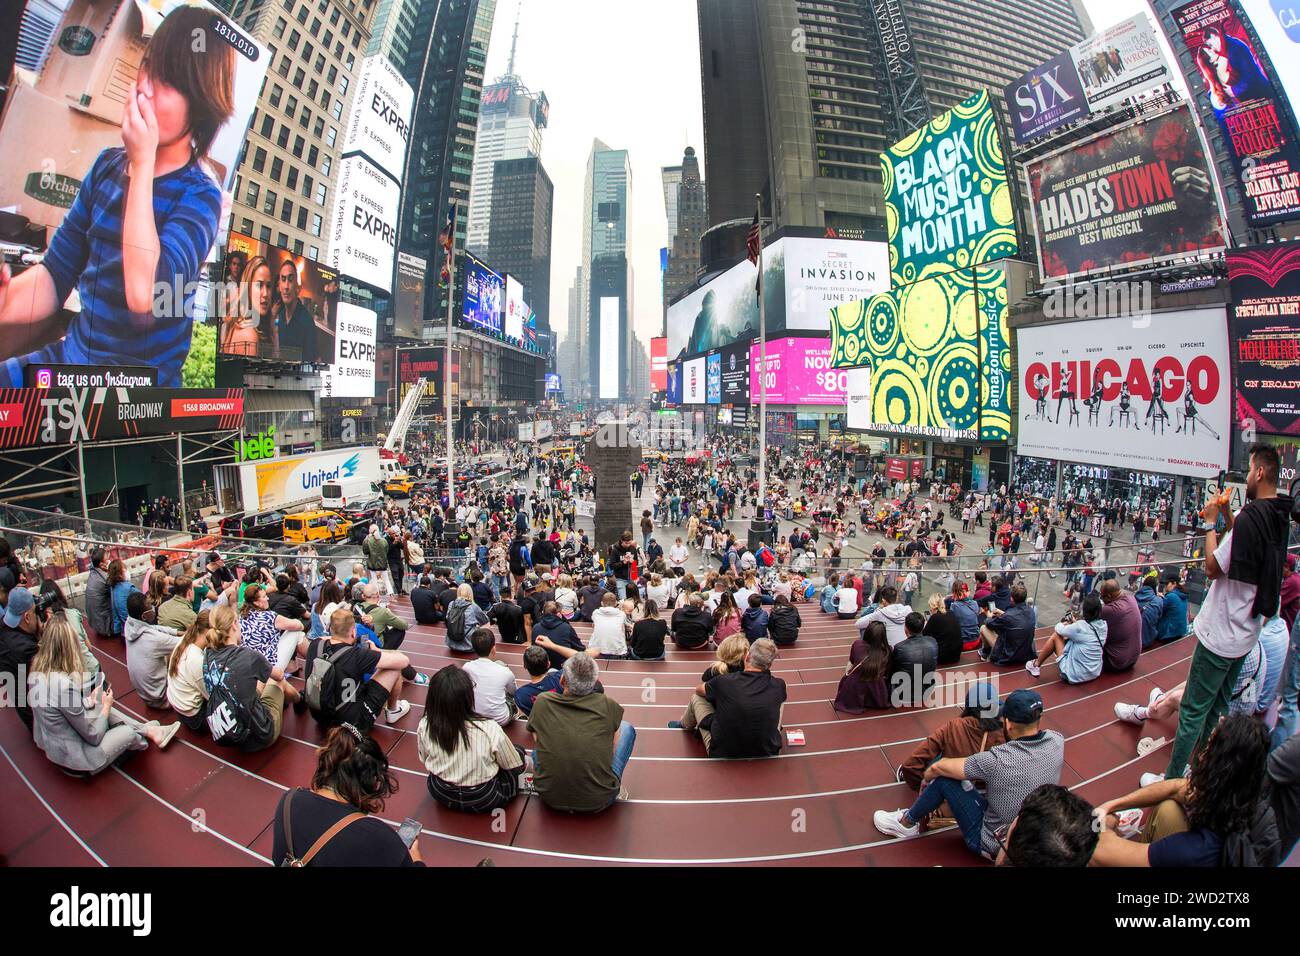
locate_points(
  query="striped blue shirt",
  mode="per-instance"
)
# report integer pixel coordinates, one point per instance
(86, 252)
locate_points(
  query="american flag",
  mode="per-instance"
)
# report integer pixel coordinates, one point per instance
(447, 239)
(754, 244)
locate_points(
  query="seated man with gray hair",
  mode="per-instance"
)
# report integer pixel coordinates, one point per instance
(583, 743)
(739, 714)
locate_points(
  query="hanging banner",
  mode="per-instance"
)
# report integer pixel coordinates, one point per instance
(64, 416)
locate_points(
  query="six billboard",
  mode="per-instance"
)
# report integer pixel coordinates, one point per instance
(1113, 392)
(1234, 79)
(1095, 74)
(1139, 194)
(1264, 326)
(276, 305)
(948, 204)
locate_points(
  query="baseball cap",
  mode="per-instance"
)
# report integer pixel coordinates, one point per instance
(983, 697)
(530, 584)
(20, 602)
(1022, 706)
(546, 576)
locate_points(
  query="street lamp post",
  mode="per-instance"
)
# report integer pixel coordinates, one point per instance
(758, 527)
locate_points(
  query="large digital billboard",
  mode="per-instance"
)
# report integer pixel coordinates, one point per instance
(1112, 392)
(1233, 78)
(713, 379)
(1277, 24)
(658, 364)
(1264, 325)
(483, 298)
(352, 373)
(63, 416)
(803, 279)
(1139, 194)
(693, 381)
(735, 374)
(1104, 70)
(948, 203)
(65, 178)
(674, 383)
(408, 296)
(379, 125)
(800, 371)
(426, 362)
(516, 308)
(276, 305)
(609, 348)
(363, 240)
(939, 355)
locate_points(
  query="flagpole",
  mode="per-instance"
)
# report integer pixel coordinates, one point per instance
(758, 530)
(449, 524)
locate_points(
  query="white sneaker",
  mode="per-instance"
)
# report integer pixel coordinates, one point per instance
(1156, 694)
(891, 824)
(394, 714)
(1033, 668)
(1149, 778)
(1128, 713)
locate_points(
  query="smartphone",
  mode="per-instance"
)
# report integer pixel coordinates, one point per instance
(409, 830)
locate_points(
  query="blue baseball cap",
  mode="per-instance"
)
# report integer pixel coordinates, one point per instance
(983, 697)
(1022, 706)
(20, 602)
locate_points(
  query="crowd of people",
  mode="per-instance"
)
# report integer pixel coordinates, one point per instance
(226, 649)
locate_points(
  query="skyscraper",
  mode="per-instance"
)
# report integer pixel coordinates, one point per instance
(607, 271)
(841, 80)
(519, 239)
(691, 221)
(570, 360)
(672, 178)
(393, 29)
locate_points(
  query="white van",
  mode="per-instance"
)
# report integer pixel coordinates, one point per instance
(337, 494)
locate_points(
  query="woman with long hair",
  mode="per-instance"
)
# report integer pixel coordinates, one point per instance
(250, 324)
(473, 766)
(185, 692)
(976, 729)
(726, 618)
(1213, 817)
(250, 713)
(56, 603)
(329, 601)
(272, 635)
(120, 588)
(730, 658)
(351, 783)
(865, 684)
(73, 720)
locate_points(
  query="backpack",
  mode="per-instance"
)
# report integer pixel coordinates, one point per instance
(455, 625)
(323, 693)
(765, 556)
(225, 712)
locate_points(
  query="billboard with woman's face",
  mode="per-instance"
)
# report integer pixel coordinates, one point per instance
(276, 305)
(156, 86)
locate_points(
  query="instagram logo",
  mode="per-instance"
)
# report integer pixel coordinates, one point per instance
(43, 378)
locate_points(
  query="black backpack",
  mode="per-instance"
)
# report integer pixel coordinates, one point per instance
(323, 691)
(456, 625)
(226, 715)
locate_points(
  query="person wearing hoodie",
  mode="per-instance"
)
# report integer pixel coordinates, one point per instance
(783, 622)
(608, 630)
(754, 621)
(998, 597)
(557, 631)
(469, 613)
(692, 626)
(963, 607)
(1173, 612)
(890, 613)
(1150, 605)
(983, 588)
(148, 649)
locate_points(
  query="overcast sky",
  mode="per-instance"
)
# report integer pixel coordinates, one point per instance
(626, 72)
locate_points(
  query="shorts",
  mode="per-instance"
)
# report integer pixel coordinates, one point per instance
(366, 709)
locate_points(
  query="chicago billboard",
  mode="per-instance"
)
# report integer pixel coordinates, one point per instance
(947, 199)
(1114, 393)
(1139, 194)
(1264, 325)
(939, 355)
(1233, 78)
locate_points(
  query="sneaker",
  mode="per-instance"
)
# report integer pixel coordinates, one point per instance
(168, 733)
(394, 714)
(1149, 778)
(891, 824)
(1156, 694)
(674, 725)
(527, 783)
(983, 652)
(1128, 713)
(1033, 668)
(421, 679)
(623, 795)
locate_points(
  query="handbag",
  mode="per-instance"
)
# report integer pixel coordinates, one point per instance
(292, 860)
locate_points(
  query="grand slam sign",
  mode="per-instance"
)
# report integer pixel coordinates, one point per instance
(947, 200)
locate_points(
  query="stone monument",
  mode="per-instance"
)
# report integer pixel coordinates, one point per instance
(613, 454)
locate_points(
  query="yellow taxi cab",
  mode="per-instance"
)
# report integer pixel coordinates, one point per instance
(560, 451)
(653, 455)
(399, 485)
(315, 526)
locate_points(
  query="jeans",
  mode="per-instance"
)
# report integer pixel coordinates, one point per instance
(1206, 698)
(967, 806)
(622, 587)
(1287, 719)
(500, 584)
